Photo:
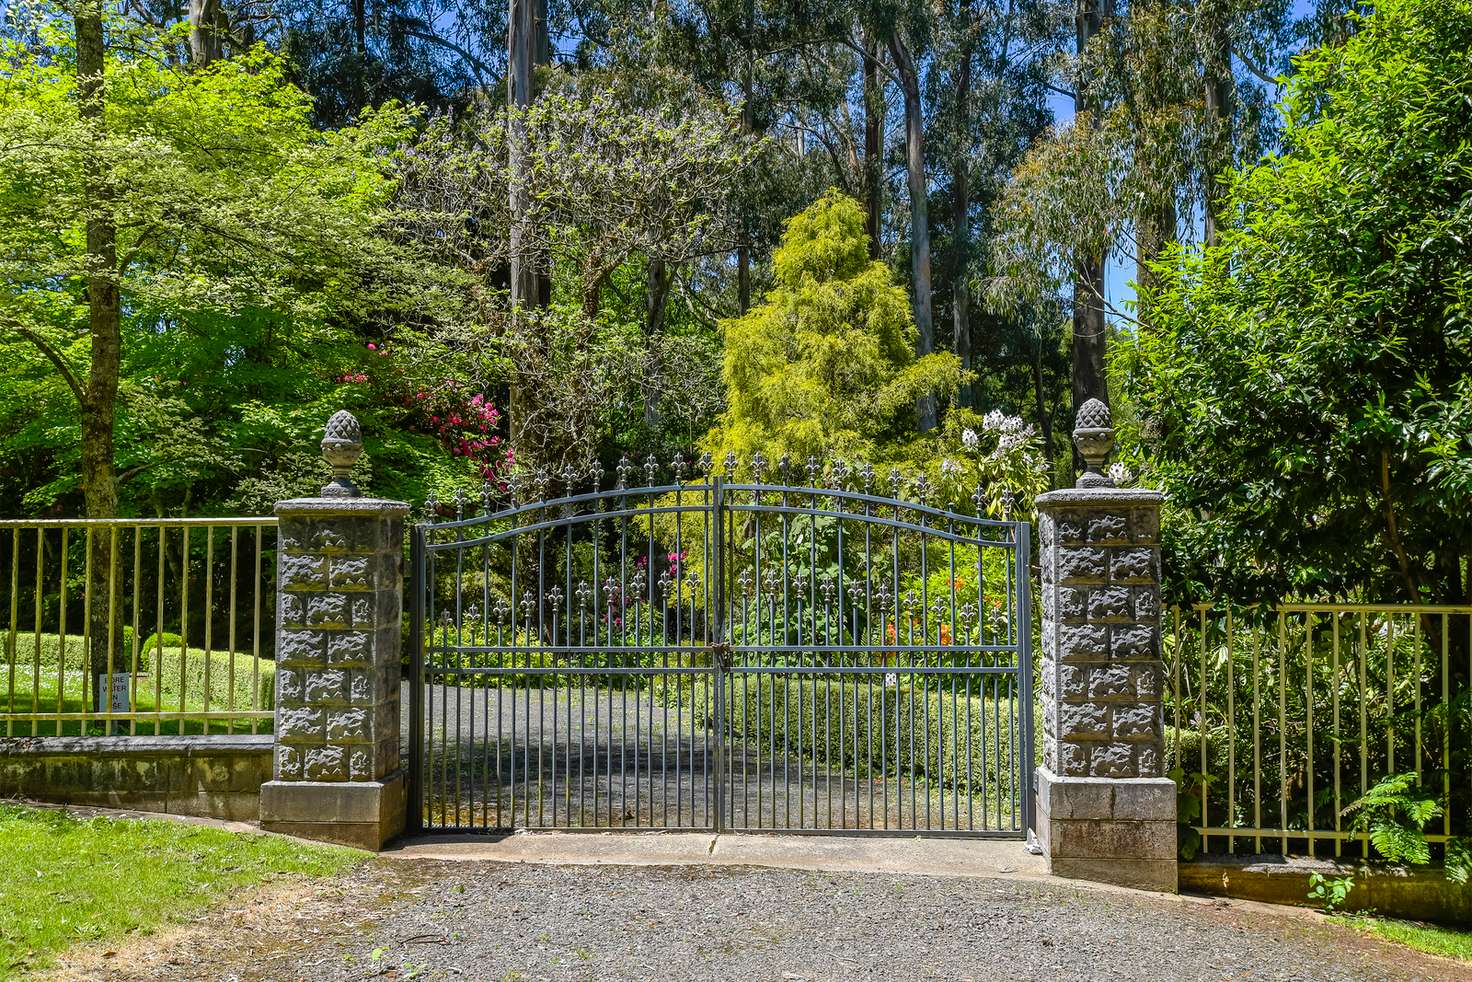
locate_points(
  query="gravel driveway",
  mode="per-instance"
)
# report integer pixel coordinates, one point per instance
(481, 920)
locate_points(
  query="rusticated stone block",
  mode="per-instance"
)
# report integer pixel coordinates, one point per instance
(1111, 682)
(288, 763)
(302, 572)
(1069, 526)
(1138, 721)
(1082, 720)
(1109, 603)
(326, 763)
(350, 572)
(349, 647)
(1072, 603)
(327, 610)
(1145, 523)
(1083, 642)
(1147, 760)
(1148, 679)
(298, 646)
(300, 722)
(1082, 563)
(289, 687)
(1108, 526)
(1073, 758)
(1073, 681)
(349, 725)
(1133, 565)
(291, 611)
(1134, 642)
(326, 685)
(1147, 603)
(1112, 760)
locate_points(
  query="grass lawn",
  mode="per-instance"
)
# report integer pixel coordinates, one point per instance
(1444, 941)
(66, 880)
(21, 702)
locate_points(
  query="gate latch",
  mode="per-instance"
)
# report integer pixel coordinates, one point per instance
(720, 655)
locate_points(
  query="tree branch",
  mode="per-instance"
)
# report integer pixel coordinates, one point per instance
(52, 355)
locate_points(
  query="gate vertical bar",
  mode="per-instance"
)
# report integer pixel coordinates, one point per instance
(718, 641)
(416, 678)
(1023, 537)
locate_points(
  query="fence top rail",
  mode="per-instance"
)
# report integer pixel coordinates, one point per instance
(1394, 607)
(44, 523)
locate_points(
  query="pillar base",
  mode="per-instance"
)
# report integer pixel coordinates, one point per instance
(1120, 831)
(364, 814)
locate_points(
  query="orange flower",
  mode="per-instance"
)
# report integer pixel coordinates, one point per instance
(945, 633)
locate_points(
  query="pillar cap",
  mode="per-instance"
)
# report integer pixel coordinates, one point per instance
(1099, 496)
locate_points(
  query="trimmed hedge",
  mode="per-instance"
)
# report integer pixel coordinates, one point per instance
(190, 683)
(220, 683)
(775, 713)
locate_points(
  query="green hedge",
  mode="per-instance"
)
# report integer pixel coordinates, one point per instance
(75, 646)
(191, 682)
(778, 707)
(172, 682)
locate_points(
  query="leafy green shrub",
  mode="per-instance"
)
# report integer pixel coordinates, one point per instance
(213, 672)
(954, 740)
(54, 649)
(1329, 892)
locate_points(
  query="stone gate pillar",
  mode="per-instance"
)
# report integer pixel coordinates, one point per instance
(1104, 810)
(339, 585)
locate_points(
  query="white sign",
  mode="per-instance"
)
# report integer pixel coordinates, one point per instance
(121, 683)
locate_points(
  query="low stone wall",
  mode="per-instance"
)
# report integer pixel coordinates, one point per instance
(1395, 891)
(214, 776)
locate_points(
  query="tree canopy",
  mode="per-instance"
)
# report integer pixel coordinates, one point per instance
(1305, 387)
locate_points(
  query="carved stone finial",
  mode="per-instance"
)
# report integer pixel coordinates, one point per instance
(342, 445)
(1093, 435)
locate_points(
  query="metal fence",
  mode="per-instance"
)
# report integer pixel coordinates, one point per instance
(1282, 720)
(137, 626)
(722, 654)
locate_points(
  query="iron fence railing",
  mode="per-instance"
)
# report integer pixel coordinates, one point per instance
(1281, 720)
(137, 626)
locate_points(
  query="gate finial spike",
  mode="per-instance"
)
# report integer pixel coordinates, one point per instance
(485, 496)
(678, 465)
(840, 474)
(895, 480)
(583, 593)
(570, 479)
(624, 468)
(703, 465)
(651, 467)
(812, 468)
(459, 504)
(595, 474)
(431, 508)
(730, 465)
(758, 466)
(978, 498)
(866, 475)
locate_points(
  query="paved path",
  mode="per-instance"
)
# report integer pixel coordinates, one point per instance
(413, 917)
(599, 758)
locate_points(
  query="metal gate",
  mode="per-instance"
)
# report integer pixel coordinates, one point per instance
(706, 653)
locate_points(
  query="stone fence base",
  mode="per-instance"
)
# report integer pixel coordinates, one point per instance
(1110, 830)
(216, 776)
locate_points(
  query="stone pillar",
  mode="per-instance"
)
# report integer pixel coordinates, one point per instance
(1104, 810)
(339, 563)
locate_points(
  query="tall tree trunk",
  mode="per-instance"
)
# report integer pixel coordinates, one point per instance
(205, 18)
(1045, 420)
(661, 277)
(748, 124)
(1219, 96)
(1090, 334)
(904, 64)
(521, 30)
(104, 319)
(961, 216)
(873, 147)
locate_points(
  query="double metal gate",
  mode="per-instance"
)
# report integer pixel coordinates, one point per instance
(721, 655)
